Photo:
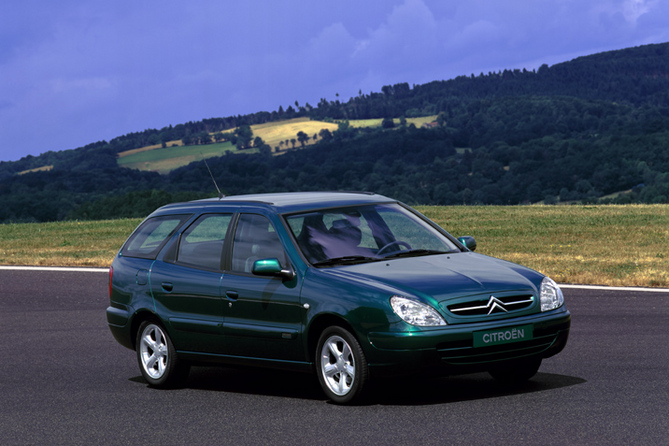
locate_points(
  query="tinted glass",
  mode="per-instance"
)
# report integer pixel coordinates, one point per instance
(201, 244)
(368, 232)
(150, 237)
(255, 239)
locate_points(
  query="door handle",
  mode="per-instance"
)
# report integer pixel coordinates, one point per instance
(167, 286)
(232, 295)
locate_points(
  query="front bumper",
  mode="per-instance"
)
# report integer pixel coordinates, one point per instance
(451, 349)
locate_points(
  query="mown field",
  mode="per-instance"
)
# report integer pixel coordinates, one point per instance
(602, 245)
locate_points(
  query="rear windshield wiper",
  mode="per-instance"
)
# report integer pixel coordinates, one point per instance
(345, 260)
(414, 253)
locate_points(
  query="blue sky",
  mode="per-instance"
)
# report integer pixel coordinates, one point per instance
(74, 72)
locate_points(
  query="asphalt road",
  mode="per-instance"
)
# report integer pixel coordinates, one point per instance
(64, 380)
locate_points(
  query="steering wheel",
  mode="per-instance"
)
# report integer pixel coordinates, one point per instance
(397, 243)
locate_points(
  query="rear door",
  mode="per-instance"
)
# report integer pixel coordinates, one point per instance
(186, 285)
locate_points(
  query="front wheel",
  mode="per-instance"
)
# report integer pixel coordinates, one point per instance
(157, 357)
(341, 364)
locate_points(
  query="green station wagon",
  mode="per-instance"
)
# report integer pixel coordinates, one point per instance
(348, 286)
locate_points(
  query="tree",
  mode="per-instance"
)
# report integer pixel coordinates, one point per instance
(303, 138)
(244, 136)
(187, 140)
(204, 138)
(325, 134)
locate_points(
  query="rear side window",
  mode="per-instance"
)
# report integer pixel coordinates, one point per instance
(147, 241)
(202, 243)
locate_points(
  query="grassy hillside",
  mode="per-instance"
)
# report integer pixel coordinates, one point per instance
(603, 245)
(155, 158)
(165, 160)
(273, 133)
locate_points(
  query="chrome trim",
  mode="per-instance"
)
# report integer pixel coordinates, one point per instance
(493, 303)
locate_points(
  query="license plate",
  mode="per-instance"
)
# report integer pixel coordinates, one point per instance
(503, 336)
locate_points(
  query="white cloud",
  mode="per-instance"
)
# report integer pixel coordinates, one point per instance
(633, 9)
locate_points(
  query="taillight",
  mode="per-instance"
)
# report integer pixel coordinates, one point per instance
(111, 275)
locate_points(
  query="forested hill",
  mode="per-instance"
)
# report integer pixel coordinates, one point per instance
(636, 76)
(593, 129)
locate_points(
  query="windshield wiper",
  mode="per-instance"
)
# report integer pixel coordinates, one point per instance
(414, 253)
(345, 260)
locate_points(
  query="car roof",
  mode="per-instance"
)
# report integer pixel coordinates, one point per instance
(286, 202)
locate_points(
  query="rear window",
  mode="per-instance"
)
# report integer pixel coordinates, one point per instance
(147, 241)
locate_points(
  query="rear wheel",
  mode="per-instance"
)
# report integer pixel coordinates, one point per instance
(342, 366)
(157, 358)
(516, 372)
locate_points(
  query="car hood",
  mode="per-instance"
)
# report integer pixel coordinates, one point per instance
(444, 276)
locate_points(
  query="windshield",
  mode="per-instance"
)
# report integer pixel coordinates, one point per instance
(365, 233)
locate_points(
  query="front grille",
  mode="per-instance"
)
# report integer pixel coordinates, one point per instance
(492, 305)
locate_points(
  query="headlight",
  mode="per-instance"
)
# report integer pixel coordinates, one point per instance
(416, 313)
(551, 295)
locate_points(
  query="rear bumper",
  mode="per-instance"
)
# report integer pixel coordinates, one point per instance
(451, 350)
(118, 320)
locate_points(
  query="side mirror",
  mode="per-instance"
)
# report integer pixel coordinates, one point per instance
(468, 241)
(272, 267)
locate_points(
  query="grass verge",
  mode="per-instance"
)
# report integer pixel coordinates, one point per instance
(72, 243)
(598, 245)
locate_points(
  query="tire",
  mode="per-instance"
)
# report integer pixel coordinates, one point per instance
(341, 366)
(516, 372)
(157, 357)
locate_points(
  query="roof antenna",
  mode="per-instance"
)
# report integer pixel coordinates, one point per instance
(220, 195)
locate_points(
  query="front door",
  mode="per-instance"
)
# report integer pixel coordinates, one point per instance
(263, 315)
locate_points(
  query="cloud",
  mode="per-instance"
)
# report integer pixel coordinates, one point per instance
(633, 9)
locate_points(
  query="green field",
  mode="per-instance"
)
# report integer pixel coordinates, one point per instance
(275, 134)
(163, 160)
(603, 245)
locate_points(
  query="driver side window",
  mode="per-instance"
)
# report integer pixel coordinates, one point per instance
(255, 239)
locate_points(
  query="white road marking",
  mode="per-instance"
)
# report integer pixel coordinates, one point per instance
(53, 268)
(106, 270)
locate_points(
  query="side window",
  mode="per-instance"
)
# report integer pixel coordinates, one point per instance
(150, 237)
(255, 239)
(202, 243)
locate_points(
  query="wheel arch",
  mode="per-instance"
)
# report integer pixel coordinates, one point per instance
(138, 318)
(319, 324)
